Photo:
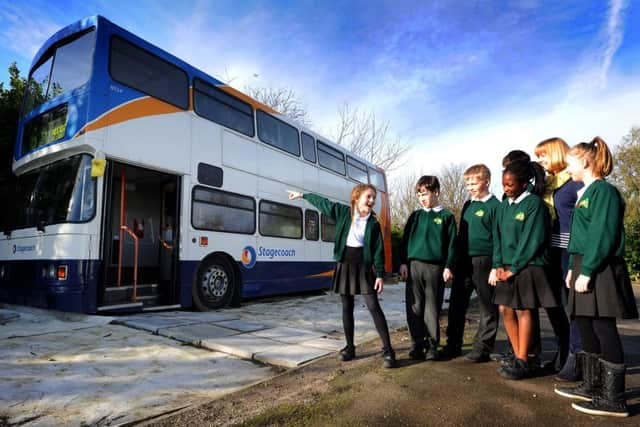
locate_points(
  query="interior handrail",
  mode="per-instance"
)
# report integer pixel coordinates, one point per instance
(135, 259)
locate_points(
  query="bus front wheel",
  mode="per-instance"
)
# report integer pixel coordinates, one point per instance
(214, 285)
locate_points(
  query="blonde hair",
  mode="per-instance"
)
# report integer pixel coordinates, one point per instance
(556, 150)
(479, 170)
(355, 195)
(598, 153)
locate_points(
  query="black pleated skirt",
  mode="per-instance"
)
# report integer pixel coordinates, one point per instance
(528, 289)
(351, 276)
(610, 295)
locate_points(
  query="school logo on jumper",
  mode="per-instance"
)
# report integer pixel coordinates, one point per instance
(520, 216)
(584, 203)
(479, 213)
(437, 220)
(249, 257)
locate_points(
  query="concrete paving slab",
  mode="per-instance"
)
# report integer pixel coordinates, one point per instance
(200, 316)
(324, 343)
(111, 375)
(194, 334)
(243, 345)
(287, 335)
(243, 325)
(152, 323)
(28, 321)
(290, 355)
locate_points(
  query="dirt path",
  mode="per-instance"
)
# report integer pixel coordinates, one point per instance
(361, 392)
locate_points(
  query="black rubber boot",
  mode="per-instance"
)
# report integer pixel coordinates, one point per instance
(610, 402)
(572, 369)
(592, 383)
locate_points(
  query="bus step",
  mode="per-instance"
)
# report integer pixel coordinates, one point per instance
(116, 294)
(120, 308)
(161, 307)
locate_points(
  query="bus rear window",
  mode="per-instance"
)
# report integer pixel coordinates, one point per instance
(45, 128)
(357, 170)
(377, 179)
(141, 70)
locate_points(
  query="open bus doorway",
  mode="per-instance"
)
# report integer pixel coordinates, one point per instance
(140, 240)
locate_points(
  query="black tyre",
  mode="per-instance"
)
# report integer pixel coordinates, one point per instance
(215, 284)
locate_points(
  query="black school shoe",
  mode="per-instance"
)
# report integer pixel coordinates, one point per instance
(517, 371)
(417, 353)
(389, 359)
(450, 352)
(432, 353)
(347, 354)
(478, 356)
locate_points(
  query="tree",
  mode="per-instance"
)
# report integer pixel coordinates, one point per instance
(283, 100)
(626, 176)
(365, 136)
(403, 199)
(10, 100)
(453, 192)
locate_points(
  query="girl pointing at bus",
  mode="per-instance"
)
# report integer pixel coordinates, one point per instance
(359, 253)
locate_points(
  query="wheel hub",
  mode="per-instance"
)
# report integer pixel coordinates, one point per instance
(215, 282)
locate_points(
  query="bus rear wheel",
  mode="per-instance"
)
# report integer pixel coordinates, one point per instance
(214, 285)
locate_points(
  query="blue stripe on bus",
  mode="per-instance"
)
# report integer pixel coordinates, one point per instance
(266, 278)
(25, 284)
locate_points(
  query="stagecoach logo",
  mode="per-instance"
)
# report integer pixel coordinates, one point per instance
(20, 249)
(249, 257)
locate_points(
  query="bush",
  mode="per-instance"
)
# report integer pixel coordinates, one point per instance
(632, 247)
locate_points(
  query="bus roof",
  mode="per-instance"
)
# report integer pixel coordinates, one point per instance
(98, 21)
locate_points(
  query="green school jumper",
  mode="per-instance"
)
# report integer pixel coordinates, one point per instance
(476, 227)
(596, 227)
(429, 236)
(521, 232)
(373, 247)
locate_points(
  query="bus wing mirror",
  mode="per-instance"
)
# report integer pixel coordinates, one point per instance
(97, 167)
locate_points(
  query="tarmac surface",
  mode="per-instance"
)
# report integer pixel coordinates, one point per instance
(70, 369)
(73, 369)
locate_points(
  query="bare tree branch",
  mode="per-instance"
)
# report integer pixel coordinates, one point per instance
(365, 136)
(283, 100)
(453, 192)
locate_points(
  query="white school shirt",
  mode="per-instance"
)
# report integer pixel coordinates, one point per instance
(519, 199)
(435, 209)
(484, 199)
(355, 239)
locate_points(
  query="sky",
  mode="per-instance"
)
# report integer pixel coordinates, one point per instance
(461, 81)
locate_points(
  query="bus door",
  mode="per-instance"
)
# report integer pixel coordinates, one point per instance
(140, 240)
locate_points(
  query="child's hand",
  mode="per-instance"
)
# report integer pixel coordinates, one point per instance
(294, 194)
(379, 285)
(499, 274)
(447, 275)
(506, 275)
(404, 272)
(493, 277)
(567, 280)
(582, 284)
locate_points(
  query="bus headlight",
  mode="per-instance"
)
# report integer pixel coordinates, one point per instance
(2, 272)
(52, 272)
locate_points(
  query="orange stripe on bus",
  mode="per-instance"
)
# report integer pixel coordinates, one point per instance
(325, 274)
(134, 110)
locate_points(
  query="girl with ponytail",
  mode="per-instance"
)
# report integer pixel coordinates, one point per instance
(598, 281)
(520, 244)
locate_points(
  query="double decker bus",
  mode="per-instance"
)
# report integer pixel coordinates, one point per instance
(143, 184)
